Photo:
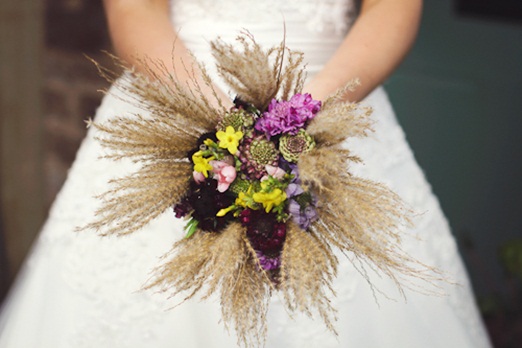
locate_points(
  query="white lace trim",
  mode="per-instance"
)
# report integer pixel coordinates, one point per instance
(333, 16)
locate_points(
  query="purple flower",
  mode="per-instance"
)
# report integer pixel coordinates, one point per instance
(305, 102)
(290, 167)
(295, 172)
(288, 116)
(268, 263)
(293, 190)
(302, 216)
(183, 208)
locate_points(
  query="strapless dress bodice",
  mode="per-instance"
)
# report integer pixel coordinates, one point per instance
(314, 27)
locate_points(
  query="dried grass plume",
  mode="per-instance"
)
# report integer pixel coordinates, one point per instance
(356, 215)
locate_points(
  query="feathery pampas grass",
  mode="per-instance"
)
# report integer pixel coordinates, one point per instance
(356, 216)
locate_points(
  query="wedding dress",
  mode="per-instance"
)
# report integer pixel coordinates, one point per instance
(79, 290)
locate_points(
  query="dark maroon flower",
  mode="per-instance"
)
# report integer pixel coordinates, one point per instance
(206, 201)
(264, 232)
(183, 208)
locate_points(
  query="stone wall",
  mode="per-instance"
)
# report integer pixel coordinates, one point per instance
(21, 179)
(74, 28)
(48, 88)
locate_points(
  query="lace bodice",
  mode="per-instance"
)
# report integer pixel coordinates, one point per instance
(315, 27)
(327, 16)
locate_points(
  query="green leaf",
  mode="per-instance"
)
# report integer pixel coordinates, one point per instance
(191, 227)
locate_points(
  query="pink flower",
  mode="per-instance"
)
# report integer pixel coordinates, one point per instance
(198, 177)
(224, 173)
(273, 171)
(288, 117)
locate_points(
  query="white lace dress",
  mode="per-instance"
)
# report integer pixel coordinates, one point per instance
(79, 290)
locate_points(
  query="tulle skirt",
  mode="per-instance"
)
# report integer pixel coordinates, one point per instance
(81, 290)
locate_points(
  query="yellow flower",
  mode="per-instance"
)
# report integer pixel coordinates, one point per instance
(209, 142)
(270, 199)
(225, 211)
(244, 199)
(201, 164)
(229, 139)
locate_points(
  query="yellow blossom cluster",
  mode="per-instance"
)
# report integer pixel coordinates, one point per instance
(268, 197)
(229, 139)
(201, 164)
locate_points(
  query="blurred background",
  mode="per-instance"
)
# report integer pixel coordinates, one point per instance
(458, 97)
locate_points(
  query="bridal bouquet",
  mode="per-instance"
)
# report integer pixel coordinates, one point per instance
(264, 186)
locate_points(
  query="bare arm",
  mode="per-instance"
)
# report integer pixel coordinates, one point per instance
(141, 28)
(379, 40)
(377, 43)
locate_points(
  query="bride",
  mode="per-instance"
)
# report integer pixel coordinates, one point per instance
(80, 290)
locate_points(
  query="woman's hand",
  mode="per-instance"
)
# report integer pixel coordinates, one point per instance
(142, 28)
(377, 43)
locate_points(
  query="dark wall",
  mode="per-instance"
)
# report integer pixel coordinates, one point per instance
(73, 28)
(76, 25)
(457, 96)
(501, 10)
(68, 86)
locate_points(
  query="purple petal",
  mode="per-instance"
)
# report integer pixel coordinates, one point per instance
(294, 208)
(293, 190)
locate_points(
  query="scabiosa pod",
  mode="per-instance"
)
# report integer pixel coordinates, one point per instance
(292, 146)
(239, 119)
(255, 154)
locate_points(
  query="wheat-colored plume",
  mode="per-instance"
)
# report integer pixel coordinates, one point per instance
(171, 115)
(307, 271)
(221, 263)
(135, 200)
(258, 75)
(362, 217)
(336, 122)
(356, 215)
